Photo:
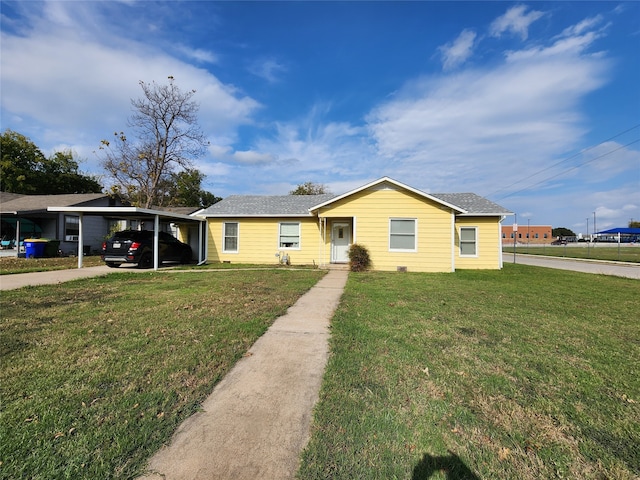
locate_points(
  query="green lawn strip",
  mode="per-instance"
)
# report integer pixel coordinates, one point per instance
(629, 254)
(11, 265)
(523, 373)
(98, 373)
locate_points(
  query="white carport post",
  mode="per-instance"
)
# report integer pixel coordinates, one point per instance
(80, 241)
(18, 236)
(156, 242)
(200, 243)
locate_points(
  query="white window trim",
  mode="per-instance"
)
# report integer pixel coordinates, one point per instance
(299, 247)
(475, 255)
(224, 236)
(415, 235)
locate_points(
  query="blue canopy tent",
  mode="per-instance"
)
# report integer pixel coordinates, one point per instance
(621, 231)
(620, 235)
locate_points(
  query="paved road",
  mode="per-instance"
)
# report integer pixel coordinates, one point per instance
(618, 269)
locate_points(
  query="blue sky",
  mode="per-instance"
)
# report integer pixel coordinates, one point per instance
(534, 105)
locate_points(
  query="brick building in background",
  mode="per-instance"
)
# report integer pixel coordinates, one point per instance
(531, 234)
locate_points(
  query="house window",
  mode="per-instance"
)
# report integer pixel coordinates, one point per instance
(402, 234)
(468, 243)
(289, 235)
(230, 237)
(71, 228)
(536, 236)
(546, 235)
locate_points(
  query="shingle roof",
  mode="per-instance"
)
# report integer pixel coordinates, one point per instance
(472, 203)
(265, 205)
(299, 205)
(11, 202)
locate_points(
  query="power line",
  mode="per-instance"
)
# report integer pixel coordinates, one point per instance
(582, 152)
(572, 168)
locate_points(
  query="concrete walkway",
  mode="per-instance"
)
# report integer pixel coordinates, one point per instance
(256, 422)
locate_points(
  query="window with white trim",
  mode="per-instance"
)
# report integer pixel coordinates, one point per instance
(289, 235)
(230, 240)
(468, 241)
(71, 228)
(402, 234)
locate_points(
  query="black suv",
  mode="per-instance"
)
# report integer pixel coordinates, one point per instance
(136, 246)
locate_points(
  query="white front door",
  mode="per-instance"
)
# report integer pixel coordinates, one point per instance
(340, 241)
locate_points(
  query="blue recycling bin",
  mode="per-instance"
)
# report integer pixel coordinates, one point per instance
(34, 247)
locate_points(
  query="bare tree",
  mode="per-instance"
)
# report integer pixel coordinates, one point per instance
(310, 188)
(167, 139)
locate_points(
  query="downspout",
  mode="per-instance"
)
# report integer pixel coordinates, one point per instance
(320, 242)
(500, 262)
(80, 239)
(453, 241)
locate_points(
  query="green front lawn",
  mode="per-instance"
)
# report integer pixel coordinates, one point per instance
(524, 373)
(9, 265)
(98, 373)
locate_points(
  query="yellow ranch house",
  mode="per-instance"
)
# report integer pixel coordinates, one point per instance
(403, 228)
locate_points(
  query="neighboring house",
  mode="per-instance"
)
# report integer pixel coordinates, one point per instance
(26, 216)
(402, 227)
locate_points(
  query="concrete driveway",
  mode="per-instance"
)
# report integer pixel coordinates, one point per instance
(19, 280)
(618, 269)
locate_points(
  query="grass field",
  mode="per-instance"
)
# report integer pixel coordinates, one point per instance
(523, 373)
(97, 374)
(600, 251)
(9, 265)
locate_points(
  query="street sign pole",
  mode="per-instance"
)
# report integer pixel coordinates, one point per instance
(515, 229)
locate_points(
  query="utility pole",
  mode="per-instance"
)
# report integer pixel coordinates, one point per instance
(588, 238)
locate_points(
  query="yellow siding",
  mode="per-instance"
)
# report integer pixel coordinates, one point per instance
(372, 209)
(488, 244)
(258, 241)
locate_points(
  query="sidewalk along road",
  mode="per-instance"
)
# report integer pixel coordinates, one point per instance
(618, 269)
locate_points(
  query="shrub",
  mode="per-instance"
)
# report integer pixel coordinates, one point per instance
(359, 260)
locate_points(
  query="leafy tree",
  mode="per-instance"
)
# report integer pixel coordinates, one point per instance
(562, 232)
(25, 169)
(168, 138)
(310, 188)
(184, 190)
(634, 224)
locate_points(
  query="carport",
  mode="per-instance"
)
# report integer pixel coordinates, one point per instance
(142, 214)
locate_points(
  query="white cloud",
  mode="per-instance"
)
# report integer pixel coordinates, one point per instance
(77, 85)
(268, 69)
(197, 54)
(484, 125)
(458, 51)
(252, 158)
(515, 21)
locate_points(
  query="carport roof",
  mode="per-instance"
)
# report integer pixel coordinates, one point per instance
(123, 212)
